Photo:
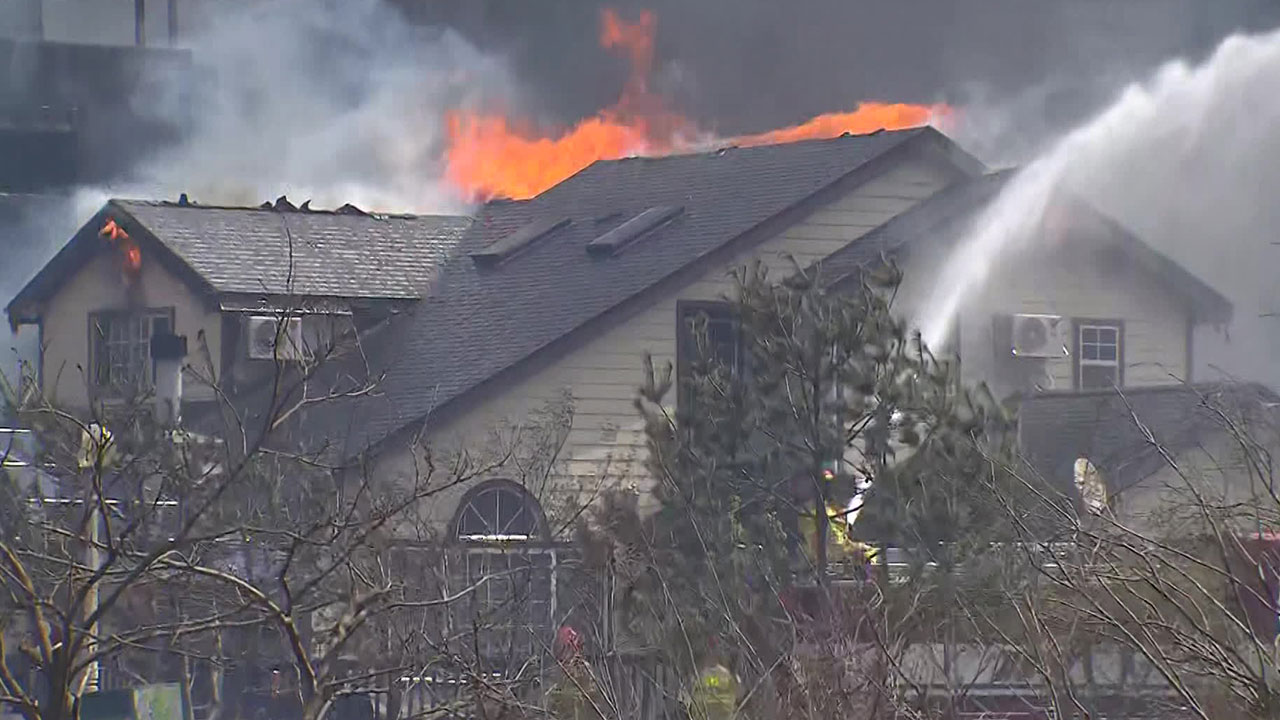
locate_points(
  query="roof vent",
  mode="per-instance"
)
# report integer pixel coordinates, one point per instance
(632, 229)
(517, 241)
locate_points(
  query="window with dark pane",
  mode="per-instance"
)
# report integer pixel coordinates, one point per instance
(711, 332)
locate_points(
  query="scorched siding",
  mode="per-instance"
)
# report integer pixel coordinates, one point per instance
(99, 286)
(606, 442)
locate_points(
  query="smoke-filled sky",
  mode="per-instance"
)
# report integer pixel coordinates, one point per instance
(748, 65)
(343, 100)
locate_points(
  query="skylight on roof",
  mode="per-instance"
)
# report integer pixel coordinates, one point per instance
(518, 240)
(631, 230)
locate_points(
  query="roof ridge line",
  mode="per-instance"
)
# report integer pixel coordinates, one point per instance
(730, 144)
(125, 201)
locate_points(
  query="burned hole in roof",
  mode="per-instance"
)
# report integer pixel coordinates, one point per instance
(521, 239)
(628, 232)
(282, 204)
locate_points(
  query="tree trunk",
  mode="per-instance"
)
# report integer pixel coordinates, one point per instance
(395, 697)
(59, 705)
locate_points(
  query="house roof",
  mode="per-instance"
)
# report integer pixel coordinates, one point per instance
(485, 316)
(934, 224)
(332, 254)
(1110, 427)
(269, 251)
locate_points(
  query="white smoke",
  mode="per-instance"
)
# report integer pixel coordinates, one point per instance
(1189, 160)
(1005, 128)
(330, 100)
(336, 101)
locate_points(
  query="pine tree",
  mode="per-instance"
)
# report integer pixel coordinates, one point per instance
(833, 409)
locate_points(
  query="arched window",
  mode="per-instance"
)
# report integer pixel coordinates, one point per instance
(499, 511)
(505, 568)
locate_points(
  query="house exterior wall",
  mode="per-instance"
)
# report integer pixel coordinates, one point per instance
(606, 442)
(99, 286)
(1216, 474)
(1081, 278)
(1154, 342)
(322, 339)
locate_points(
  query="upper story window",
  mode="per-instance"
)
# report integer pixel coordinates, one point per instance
(1099, 354)
(721, 344)
(120, 347)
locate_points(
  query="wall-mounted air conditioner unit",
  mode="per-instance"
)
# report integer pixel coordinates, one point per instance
(267, 342)
(1041, 336)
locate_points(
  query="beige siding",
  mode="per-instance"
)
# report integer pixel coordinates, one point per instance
(606, 441)
(1216, 475)
(1154, 319)
(99, 286)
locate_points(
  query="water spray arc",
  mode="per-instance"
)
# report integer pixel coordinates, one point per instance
(1142, 159)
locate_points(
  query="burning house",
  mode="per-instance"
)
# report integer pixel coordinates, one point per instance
(426, 336)
(245, 286)
(471, 326)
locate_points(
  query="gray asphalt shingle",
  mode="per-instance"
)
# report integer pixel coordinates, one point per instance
(264, 251)
(480, 321)
(1107, 427)
(933, 226)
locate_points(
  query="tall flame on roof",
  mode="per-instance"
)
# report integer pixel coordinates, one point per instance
(491, 155)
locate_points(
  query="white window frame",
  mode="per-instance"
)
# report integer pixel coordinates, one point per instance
(135, 344)
(515, 561)
(1082, 362)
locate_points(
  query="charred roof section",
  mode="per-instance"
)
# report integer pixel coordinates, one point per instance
(633, 229)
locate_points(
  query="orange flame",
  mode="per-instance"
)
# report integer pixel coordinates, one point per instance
(868, 117)
(637, 40)
(132, 258)
(113, 232)
(130, 253)
(490, 155)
